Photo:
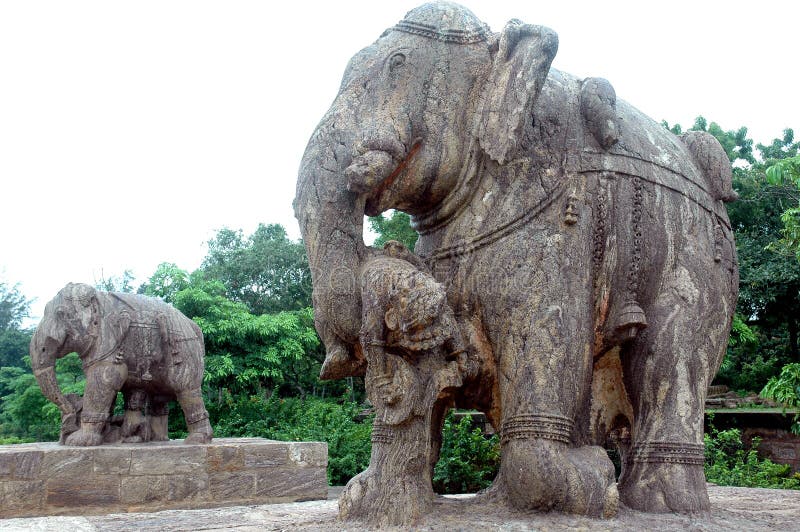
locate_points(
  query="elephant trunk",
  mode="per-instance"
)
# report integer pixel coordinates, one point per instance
(44, 349)
(331, 219)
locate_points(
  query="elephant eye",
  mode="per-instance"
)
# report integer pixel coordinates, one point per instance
(397, 60)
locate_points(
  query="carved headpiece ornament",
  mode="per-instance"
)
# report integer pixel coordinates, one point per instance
(446, 22)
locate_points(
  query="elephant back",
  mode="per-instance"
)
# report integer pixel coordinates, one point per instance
(691, 166)
(136, 327)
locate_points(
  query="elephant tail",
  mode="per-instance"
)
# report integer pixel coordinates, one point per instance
(711, 158)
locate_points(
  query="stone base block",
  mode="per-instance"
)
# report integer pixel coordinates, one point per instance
(50, 479)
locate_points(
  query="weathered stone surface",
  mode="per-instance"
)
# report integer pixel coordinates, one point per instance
(122, 477)
(265, 456)
(232, 486)
(20, 495)
(308, 482)
(748, 509)
(131, 343)
(20, 466)
(58, 462)
(77, 491)
(309, 454)
(225, 458)
(144, 489)
(185, 459)
(558, 226)
(183, 488)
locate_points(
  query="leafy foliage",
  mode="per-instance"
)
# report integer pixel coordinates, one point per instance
(769, 287)
(396, 227)
(245, 353)
(785, 388)
(309, 419)
(14, 307)
(729, 463)
(266, 271)
(122, 283)
(14, 347)
(26, 413)
(787, 171)
(166, 282)
(468, 461)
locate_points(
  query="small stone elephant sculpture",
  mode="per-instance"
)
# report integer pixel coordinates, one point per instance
(138, 345)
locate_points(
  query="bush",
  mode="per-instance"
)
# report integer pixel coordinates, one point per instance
(295, 419)
(468, 461)
(785, 389)
(728, 463)
(11, 440)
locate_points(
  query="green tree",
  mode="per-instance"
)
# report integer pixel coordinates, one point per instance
(266, 271)
(247, 353)
(780, 148)
(787, 172)
(14, 340)
(122, 283)
(166, 282)
(396, 226)
(785, 388)
(24, 411)
(14, 307)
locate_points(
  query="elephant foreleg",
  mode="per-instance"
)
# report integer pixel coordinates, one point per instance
(103, 381)
(543, 370)
(194, 410)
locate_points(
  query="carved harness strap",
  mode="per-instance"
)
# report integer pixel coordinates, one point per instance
(489, 237)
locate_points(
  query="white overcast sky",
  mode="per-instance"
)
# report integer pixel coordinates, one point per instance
(131, 131)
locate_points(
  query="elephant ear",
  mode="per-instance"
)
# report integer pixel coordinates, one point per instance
(519, 70)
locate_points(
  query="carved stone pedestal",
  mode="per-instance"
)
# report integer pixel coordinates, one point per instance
(50, 479)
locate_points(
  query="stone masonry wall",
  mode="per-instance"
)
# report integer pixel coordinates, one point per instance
(49, 479)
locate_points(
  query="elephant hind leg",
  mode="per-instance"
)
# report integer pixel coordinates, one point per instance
(196, 415)
(667, 371)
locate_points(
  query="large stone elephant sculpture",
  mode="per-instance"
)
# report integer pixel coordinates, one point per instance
(131, 343)
(586, 252)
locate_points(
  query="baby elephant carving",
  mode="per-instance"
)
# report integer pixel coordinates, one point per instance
(130, 343)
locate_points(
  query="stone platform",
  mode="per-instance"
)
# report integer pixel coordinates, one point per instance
(49, 479)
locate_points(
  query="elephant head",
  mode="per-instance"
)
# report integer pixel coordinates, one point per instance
(70, 323)
(416, 113)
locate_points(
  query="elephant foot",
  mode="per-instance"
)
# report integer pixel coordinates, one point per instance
(547, 475)
(381, 500)
(200, 432)
(664, 488)
(84, 438)
(198, 438)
